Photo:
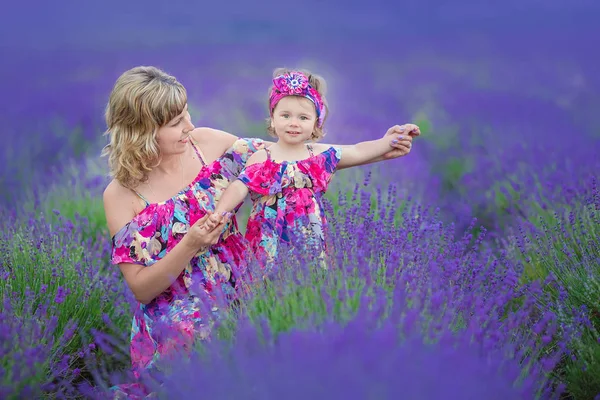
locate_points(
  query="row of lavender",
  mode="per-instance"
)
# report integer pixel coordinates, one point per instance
(405, 308)
(511, 143)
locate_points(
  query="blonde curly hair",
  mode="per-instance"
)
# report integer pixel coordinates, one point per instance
(317, 82)
(142, 100)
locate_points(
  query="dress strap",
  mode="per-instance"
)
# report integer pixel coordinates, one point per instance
(268, 153)
(197, 150)
(141, 197)
(310, 150)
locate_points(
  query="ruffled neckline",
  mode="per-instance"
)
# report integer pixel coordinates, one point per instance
(309, 158)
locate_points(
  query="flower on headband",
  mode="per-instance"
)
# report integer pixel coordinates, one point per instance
(292, 83)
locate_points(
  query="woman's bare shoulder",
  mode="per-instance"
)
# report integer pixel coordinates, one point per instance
(205, 135)
(120, 206)
(212, 142)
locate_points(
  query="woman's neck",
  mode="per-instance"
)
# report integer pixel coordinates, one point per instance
(170, 165)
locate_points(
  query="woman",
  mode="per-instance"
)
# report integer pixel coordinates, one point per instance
(168, 176)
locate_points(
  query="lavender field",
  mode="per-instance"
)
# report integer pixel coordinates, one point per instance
(469, 269)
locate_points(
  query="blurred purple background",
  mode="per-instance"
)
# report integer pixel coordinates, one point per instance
(504, 92)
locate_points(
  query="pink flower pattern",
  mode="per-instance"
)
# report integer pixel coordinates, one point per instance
(288, 203)
(151, 234)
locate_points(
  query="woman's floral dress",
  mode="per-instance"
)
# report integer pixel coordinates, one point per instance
(151, 234)
(288, 204)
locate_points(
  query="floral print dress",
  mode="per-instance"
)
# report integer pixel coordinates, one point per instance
(151, 234)
(288, 204)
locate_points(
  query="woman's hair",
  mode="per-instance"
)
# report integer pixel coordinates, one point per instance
(318, 83)
(142, 100)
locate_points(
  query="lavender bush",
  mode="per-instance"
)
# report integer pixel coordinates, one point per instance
(563, 245)
(56, 285)
(76, 193)
(28, 341)
(352, 360)
(399, 308)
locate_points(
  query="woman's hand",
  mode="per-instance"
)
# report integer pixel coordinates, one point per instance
(206, 231)
(216, 218)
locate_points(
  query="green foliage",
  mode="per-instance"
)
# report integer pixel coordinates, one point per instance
(55, 268)
(77, 195)
(564, 246)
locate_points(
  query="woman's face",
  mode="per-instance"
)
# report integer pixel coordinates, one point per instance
(173, 137)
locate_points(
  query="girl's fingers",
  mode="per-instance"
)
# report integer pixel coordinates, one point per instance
(202, 220)
(397, 143)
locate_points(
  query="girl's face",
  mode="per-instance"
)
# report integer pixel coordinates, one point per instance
(294, 119)
(173, 137)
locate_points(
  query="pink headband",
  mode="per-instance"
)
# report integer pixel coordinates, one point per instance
(295, 83)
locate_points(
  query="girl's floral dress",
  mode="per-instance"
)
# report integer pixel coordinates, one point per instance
(288, 204)
(151, 234)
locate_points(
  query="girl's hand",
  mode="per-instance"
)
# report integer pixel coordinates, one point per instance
(202, 234)
(216, 218)
(402, 144)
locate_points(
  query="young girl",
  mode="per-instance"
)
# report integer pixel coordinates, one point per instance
(287, 181)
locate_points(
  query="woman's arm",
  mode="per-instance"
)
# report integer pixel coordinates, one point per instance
(148, 282)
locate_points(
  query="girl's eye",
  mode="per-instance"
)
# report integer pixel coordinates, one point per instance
(303, 118)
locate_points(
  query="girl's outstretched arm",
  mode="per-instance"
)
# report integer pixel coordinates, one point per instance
(399, 148)
(372, 150)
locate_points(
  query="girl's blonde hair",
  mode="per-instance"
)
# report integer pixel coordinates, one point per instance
(317, 82)
(142, 100)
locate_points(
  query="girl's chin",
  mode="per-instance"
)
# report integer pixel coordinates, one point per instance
(294, 138)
